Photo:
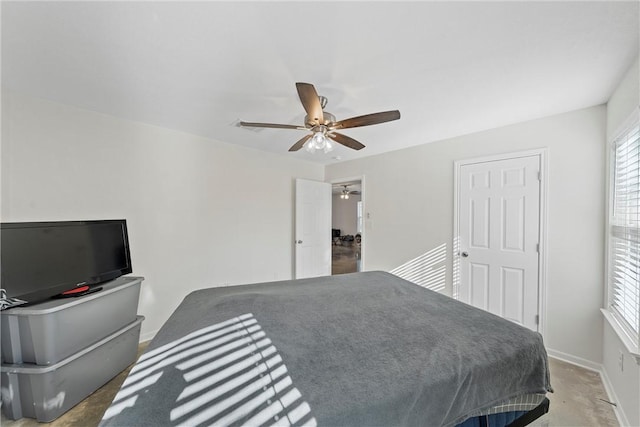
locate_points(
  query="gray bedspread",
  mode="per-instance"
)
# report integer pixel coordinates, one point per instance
(362, 349)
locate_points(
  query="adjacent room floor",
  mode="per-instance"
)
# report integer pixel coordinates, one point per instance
(345, 258)
(579, 400)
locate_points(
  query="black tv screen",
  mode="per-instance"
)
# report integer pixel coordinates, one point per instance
(39, 260)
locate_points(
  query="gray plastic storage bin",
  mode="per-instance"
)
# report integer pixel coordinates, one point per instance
(46, 392)
(47, 333)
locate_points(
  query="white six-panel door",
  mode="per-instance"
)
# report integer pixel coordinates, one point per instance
(313, 229)
(499, 232)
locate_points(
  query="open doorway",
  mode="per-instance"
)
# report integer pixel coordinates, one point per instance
(346, 226)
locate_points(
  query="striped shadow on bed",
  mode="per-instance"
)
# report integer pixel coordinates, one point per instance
(232, 373)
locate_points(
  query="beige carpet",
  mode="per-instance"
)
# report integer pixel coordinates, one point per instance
(579, 400)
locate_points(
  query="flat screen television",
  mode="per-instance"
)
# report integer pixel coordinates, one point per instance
(40, 260)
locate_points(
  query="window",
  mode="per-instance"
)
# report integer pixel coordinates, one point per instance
(624, 234)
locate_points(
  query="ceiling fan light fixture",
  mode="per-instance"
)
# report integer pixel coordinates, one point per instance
(319, 141)
(328, 146)
(345, 193)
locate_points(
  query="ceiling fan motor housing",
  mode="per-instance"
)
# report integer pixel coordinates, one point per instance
(328, 119)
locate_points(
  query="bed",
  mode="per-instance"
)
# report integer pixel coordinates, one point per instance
(361, 349)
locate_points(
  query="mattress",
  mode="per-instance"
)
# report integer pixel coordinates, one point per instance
(523, 403)
(350, 350)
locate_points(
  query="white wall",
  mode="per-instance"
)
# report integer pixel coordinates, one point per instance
(410, 207)
(344, 214)
(200, 213)
(624, 384)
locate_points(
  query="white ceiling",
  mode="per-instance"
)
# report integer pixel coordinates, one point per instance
(451, 68)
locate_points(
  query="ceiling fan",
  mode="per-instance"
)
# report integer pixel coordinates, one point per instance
(345, 193)
(323, 125)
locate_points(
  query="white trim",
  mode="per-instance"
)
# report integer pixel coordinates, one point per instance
(542, 154)
(632, 120)
(617, 409)
(609, 164)
(544, 238)
(622, 334)
(574, 360)
(502, 156)
(455, 240)
(360, 178)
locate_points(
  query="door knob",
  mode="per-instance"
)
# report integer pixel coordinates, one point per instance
(299, 241)
(464, 254)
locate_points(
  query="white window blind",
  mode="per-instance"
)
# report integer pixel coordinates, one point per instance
(624, 240)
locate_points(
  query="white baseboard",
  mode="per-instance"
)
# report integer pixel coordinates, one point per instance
(575, 360)
(608, 387)
(596, 367)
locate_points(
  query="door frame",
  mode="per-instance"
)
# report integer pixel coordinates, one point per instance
(364, 212)
(542, 154)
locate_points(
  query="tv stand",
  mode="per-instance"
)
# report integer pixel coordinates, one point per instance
(70, 345)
